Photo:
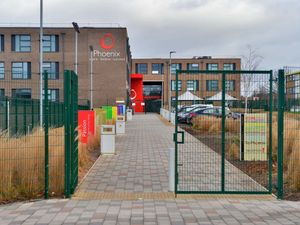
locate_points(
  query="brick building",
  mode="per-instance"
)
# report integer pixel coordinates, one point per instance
(108, 47)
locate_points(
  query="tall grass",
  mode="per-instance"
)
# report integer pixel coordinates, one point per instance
(22, 163)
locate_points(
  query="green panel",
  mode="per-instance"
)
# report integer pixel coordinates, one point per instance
(108, 110)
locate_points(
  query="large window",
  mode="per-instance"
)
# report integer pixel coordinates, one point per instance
(52, 68)
(141, 68)
(230, 85)
(157, 68)
(2, 71)
(53, 95)
(193, 66)
(21, 70)
(1, 43)
(2, 93)
(50, 43)
(173, 85)
(192, 85)
(152, 90)
(21, 93)
(212, 85)
(174, 67)
(229, 66)
(21, 43)
(212, 66)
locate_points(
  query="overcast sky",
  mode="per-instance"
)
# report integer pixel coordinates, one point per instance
(219, 28)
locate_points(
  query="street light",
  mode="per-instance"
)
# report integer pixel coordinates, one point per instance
(76, 28)
(41, 63)
(91, 76)
(170, 88)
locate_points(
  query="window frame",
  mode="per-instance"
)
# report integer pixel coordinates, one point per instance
(160, 70)
(23, 74)
(208, 86)
(137, 68)
(13, 93)
(195, 85)
(190, 66)
(175, 66)
(2, 41)
(226, 86)
(231, 69)
(16, 43)
(53, 39)
(3, 71)
(52, 75)
(173, 85)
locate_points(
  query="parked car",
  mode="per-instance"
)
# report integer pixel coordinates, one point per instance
(182, 117)
(211, 111)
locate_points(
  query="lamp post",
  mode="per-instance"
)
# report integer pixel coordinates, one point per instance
(41, 63)
(91, 76)
(170, 88)
(76, 28)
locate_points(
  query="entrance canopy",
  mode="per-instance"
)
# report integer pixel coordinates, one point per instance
(218, 97)
(188, 96)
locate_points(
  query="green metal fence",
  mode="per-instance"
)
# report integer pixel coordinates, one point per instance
(226, 146)
(32, 158)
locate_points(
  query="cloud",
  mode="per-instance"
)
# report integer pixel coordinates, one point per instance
(191, 27)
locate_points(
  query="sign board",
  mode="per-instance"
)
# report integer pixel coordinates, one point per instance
(100, 116)
(255, 137)
(86, 124)
(108, 110)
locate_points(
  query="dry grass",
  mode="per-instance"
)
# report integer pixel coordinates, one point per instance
(22, 163)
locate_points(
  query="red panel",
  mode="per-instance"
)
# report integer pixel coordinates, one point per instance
(86, 125)
(137, 96)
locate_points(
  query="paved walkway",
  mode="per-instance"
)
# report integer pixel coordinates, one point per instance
(140, 167)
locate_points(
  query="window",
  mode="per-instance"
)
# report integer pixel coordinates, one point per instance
(141, 68)
(21, 93)
(2, 93)
(53, 95)
(21, 70)
(212, 66)
(21, 43)
(212, 85)
(1, 43)
(174, 67)
(53, 70)
(192, 85)
(2, 70)
(229, 66)
(193, 66)
(173, 85)
(152, 90)
(230, 85)
(50, 43)
(157, 68)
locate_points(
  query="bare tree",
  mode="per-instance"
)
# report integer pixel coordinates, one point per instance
(250, 62)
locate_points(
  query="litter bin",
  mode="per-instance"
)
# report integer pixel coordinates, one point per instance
(120, 125)
(129, 114)
(108, 139)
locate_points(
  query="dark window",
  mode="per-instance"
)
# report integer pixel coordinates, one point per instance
(192, 85)
(152, 90)
(212, 66)
(21, 70)
(157, 68)
(50, 43)
(174, 67)
(193, 66)
(21, 43)
(2, 71)
(141, 68)
(1, 43)
(2, 93)
(230, 85)
(229, 66)
(53, 95)
(173, 85)
(21, 93)
(52, 68)
(212, 85)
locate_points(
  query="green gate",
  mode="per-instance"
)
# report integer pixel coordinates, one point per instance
(225, 145)
(71, 132)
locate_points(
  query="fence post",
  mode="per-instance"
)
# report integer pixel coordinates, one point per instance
(46, 131)
(281, 91)
(270, 130)
(67, 131)
(223, 132)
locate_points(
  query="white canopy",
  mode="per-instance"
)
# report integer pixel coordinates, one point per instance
(218, 97)
(188, 96)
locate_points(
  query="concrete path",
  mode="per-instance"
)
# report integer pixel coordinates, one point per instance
(140, 167)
